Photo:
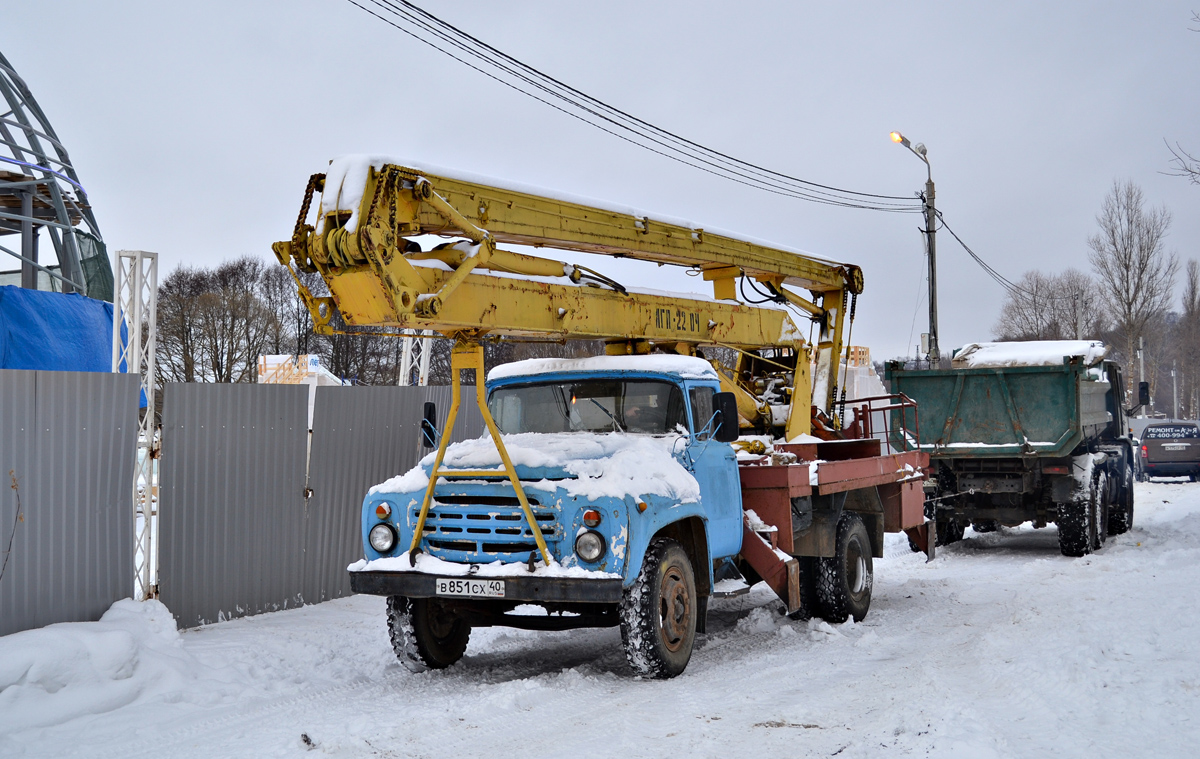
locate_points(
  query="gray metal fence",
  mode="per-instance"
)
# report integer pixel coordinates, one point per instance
(238, 536)
(68, 438)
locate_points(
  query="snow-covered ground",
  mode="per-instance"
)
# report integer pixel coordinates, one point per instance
(1000, 647)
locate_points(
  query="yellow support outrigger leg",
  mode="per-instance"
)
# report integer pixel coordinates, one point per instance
(469, 355)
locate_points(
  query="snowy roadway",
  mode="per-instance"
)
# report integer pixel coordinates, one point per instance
(1001, 647)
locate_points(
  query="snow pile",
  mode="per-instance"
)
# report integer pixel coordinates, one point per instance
(1031, 353)
(433, 565)
(63, 671)
(610, 465)
(687, 367)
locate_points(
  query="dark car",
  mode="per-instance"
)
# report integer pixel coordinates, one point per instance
(1171, 450)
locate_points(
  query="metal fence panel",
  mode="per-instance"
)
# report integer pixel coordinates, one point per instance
(69, 439)
(361, 437)
(236, 534)
(231, 499)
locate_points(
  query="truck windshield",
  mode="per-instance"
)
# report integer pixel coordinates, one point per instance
(600, 405)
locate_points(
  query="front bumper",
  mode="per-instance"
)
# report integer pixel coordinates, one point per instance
(516, 588)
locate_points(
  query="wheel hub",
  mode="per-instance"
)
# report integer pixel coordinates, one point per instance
(674, 609)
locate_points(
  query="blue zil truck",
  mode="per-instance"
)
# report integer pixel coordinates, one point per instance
(627, 466)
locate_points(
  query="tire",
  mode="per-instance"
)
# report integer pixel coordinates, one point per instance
(949, 531)
(425, 635)
(1102, 499)
(1077, 521)
(658, 612)
(985, 525)
(1120, 519)
(844, 580)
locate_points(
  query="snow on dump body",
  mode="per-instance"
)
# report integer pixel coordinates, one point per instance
(1031, 353)
(346, 178)
(686, 367)
(611, 465)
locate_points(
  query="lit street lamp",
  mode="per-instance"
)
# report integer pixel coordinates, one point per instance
(930, 229)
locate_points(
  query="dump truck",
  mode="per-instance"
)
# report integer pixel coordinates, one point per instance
(1024, 432)
(606, 491)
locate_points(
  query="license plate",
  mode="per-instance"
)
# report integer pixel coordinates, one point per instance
(470, 587)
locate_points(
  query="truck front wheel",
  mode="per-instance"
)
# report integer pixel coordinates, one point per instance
(844, 580)
(658, 612)
(425, 635)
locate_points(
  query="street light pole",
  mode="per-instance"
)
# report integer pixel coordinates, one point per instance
(930, 243)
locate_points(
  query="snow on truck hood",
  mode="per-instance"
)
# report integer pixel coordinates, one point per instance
(1029, 353)
(611, 465)
(685, 367)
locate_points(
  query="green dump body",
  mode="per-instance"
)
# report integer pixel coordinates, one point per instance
(1022, 411)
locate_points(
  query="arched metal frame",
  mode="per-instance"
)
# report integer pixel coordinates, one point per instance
(39, 190)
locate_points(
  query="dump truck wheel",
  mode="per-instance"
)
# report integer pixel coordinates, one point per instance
(1077, 521)
(425, 635)
(658, 612)
(844, 580)
(949, 531)
(1120, 514)
(1099, 506)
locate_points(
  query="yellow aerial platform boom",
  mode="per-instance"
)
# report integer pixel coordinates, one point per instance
(378, 276)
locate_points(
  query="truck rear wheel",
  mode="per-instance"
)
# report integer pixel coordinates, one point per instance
(1079, 521)
(425, 635)
(844, 580)
(949, 531)
(1102, 498)
(1120, 514)
(658, 612)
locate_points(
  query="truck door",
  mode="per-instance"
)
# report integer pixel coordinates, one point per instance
(717, 474)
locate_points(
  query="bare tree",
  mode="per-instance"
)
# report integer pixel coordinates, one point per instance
(1135, 272)
(1026, 311)
(1052, 307)
(234, 321)
(1187, 341)
(1186, 164)
(178, 356)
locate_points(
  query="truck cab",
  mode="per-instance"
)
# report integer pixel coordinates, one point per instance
(626, 465)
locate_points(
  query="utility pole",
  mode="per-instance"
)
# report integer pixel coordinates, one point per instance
(1142, 365)
(1174, 393)
(930, 244)
(1078, 299)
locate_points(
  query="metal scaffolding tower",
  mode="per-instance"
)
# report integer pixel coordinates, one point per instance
(135, 312)
(40, 191)
(414, 357)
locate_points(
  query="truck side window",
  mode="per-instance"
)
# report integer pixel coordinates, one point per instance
(702, 409)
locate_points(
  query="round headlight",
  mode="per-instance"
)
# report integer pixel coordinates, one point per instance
(589, 545)
(382, 538)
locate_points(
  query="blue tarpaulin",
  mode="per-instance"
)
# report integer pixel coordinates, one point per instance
(55, 332)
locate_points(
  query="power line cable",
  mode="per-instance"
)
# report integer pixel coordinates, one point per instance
(617, 112)
(1011, 287)
(620, 124)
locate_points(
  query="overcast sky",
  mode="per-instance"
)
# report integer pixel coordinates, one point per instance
(194, 127)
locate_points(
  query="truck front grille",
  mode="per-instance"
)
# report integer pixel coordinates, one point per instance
(481, 529)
